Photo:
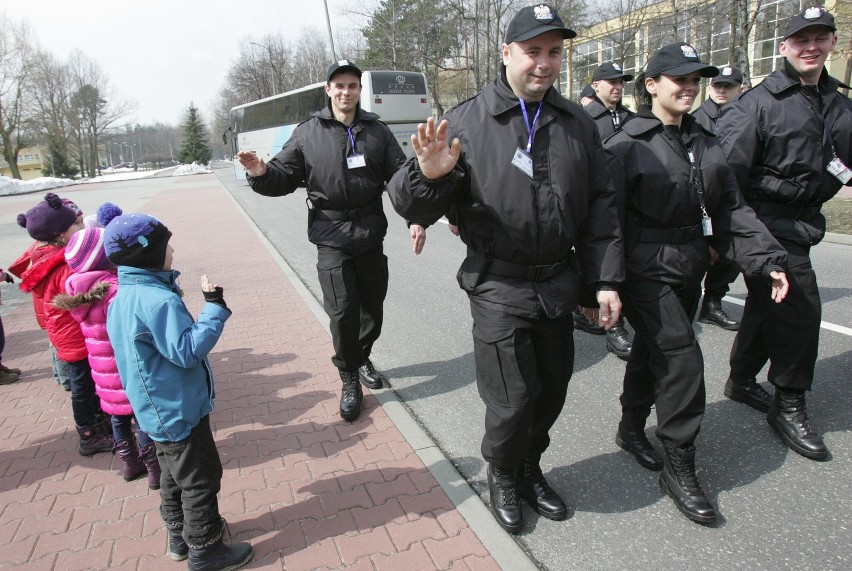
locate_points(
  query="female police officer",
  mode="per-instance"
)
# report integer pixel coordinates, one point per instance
(680, 202)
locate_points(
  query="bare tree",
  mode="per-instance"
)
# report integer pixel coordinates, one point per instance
(16, 62)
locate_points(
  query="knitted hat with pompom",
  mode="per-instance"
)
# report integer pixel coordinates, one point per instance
(135, 239)
(47, 219)
(85, 251)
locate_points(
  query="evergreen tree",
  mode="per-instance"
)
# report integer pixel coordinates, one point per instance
(58, 165)
(195, 146)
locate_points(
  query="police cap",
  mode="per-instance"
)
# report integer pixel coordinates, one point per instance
(813, 16)
(533, 21)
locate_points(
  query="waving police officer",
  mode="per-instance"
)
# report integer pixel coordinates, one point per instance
(529, 185)
(345, 155)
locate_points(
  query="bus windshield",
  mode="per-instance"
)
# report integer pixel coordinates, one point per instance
(399, 98)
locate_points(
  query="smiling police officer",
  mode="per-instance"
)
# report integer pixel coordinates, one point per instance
(789, 142)
(345, 155)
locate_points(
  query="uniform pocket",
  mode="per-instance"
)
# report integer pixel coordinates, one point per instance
(333, 284)
(503, 361)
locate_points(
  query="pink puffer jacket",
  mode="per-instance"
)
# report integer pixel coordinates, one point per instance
(89, 296)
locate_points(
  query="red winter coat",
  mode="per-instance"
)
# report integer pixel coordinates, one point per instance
(44, 279)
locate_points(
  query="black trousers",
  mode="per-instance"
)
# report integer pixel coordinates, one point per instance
(665, 366)
(786, 334)
(719, 278)
(522, 371)
(353, 292)
(191, 477)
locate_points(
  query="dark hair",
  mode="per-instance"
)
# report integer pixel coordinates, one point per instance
(640, 92)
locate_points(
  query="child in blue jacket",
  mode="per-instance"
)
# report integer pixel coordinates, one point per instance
(161, 354)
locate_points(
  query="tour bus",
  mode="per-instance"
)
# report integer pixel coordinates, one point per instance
(399, 98)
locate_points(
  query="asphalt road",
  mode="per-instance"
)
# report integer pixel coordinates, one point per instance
(779, 510)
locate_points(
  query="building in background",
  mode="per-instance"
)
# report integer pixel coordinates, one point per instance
(638, 28)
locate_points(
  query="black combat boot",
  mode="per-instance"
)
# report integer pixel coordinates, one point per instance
(537, 492)
(370, 377)
(350, 395)
(618, 340)
(789, 418)
(504, 498)
(583, 324)
(748, 392)
(178, 549)
(712, 313)
(631, 437)
(679, 481)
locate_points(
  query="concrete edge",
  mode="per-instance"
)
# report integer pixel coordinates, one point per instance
(507, 554)
(834, 238)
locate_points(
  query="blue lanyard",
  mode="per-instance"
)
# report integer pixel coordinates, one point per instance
(530, 128)
(351, 140)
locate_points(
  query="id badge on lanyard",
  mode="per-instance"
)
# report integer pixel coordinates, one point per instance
(354, 161)
(522, 159)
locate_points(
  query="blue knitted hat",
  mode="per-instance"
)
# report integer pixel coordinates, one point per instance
(135, 239)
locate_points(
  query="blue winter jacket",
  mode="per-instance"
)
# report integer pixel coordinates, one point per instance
(161, 352)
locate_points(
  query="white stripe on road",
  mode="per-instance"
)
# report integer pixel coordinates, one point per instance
(823, 324)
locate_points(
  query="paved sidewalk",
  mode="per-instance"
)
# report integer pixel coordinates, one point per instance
(306, 489)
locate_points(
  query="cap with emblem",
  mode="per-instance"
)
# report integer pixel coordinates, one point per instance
(813, 16)
(610, 70)
(533, 21)
(676, 60)
(728, 74)
(343, 66)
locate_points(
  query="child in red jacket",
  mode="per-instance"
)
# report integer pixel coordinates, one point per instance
(51, 223)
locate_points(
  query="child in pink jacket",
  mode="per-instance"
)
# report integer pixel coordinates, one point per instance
(90, 289)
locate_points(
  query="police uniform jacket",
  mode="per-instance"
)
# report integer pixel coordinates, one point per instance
(707, 115)
(603, 117)
(662, 194)
(509, 218)
(347, 203)
(776, 141)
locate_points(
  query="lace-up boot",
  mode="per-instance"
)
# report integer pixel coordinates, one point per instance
(533, 488)
(504, 498)
(350, 396)
(370, 377)
(631, 437)
(132, 466)
(789, 418)
(679, 481)
(618, 340)
(748, 392)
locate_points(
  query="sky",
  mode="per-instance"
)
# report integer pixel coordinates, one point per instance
(164, 54)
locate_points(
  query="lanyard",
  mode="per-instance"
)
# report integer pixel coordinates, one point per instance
(616, 120)
(530, 128)
(351, 140)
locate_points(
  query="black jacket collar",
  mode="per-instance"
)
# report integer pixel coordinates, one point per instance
(360, 115)
(783, 79)
(645, 122)
(499, 98)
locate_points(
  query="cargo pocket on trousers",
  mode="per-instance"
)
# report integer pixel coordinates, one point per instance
(500, 364)
(332, 284)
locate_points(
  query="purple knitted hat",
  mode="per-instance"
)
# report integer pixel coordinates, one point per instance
(85, 251)
(47, 219)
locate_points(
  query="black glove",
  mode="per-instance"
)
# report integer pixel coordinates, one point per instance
(8, 277)
(215, 296)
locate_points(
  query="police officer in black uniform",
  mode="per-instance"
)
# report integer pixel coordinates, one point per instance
(609, 115)
(527, 177)
(723, 88)
(680, 197)
(789, 142)
(587, 95)
(345, 155)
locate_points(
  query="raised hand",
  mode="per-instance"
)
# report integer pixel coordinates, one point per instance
(253, 164)
(435, 157)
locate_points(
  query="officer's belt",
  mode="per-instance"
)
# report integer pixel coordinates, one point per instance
(682, 235)
(779, 210)
(511, 270)
(356, 214)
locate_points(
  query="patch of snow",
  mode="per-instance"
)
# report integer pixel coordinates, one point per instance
(194, 168)
(10, 186)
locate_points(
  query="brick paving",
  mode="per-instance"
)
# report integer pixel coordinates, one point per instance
(306, 489)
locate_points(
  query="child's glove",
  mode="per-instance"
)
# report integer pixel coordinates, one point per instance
(212, 292)
(8, 277)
